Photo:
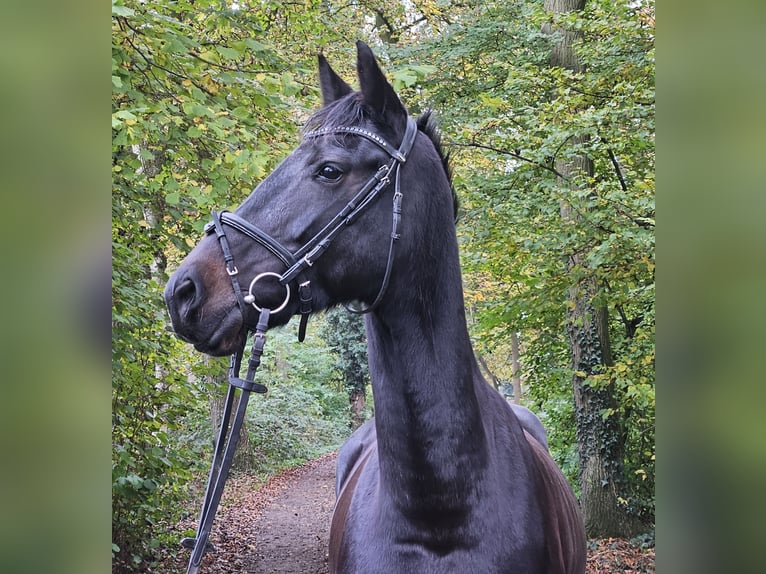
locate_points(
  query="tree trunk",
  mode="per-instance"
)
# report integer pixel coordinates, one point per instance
(515, 368)
(153, 212)
(598, 427)
(151, 168)
(599, 437)
(358, 402)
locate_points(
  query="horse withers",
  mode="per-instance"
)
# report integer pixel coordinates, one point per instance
(447, 478)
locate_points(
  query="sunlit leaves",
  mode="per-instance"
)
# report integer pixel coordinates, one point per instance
(207, 99)
(509, 117)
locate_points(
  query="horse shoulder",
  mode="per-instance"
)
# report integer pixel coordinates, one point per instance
(351, 461)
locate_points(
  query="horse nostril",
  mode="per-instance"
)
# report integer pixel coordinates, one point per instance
(185, 295)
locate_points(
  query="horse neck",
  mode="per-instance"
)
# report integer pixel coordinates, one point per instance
(425, 382)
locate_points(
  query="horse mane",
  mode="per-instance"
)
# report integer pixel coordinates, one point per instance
(349, 111)
(429, 126)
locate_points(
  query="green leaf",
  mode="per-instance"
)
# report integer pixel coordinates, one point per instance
(125, 115)
(229, 53)
(119, 10)
(256, 46)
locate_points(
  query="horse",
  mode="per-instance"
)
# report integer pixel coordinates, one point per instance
(447, 477)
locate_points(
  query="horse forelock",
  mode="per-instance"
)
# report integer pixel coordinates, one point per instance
(345, 111)
(349, 111)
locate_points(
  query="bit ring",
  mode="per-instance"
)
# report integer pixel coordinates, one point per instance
(250, 298)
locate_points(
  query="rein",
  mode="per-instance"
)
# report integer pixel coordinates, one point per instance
(226, 443)
(296, 263)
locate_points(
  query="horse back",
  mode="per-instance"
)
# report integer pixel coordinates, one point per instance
(562, 520)
(351, 460)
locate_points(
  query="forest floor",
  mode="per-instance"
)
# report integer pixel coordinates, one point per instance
(283, 528)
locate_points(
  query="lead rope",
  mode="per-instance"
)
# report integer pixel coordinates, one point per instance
(223, 456)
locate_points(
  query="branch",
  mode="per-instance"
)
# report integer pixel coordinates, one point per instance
(641, 222)
(513, 154)
(630, 324)
(229, 68)
(616, 165)
(154, 64)
(558, 148)
(392, 33)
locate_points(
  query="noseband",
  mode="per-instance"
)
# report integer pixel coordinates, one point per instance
(305, 257)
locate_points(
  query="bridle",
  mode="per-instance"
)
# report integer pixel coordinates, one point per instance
(307, 255)
(296, 263)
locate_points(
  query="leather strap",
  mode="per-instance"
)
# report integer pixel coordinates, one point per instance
(257, 235)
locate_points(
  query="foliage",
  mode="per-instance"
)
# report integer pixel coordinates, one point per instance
(346, 337)
(303, 415)
(306, 411)
(509, 117)
(146, 468)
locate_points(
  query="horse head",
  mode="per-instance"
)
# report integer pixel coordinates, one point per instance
(334, 196)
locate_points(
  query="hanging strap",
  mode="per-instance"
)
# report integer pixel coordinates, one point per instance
(224, 456)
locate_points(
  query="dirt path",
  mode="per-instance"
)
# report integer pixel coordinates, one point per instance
(283, 528)
(292, 533)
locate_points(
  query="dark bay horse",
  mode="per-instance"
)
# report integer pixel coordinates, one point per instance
(447, 478)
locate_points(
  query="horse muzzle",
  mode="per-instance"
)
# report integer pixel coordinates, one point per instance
(213, 327)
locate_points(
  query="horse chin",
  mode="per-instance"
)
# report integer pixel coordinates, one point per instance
(222, 348)
(226, 338)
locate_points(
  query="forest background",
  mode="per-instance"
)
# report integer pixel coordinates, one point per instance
(547, 109)
(55, 173)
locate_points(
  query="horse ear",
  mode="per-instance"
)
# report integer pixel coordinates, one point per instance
(377, 93)
(332, 85)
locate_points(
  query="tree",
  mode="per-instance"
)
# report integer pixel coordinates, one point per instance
(345, 335)
(599, 436)
(554, 165)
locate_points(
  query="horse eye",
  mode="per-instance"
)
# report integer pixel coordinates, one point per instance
(330, 172)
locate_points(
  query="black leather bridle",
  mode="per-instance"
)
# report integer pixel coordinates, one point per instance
(305, 257)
